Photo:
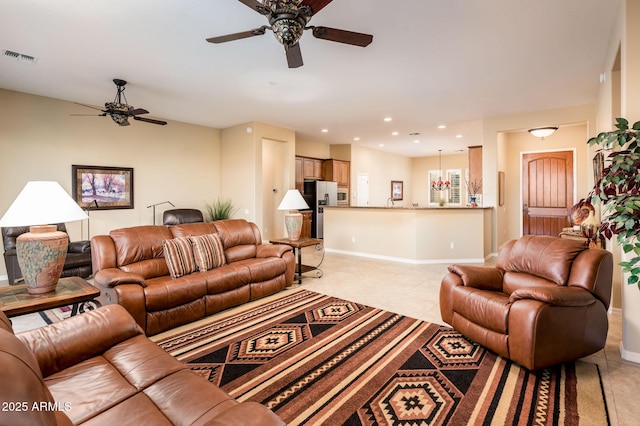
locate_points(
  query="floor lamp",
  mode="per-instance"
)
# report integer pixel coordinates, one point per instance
(41, 251)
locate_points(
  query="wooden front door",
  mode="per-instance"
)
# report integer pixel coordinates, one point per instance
(547, 192)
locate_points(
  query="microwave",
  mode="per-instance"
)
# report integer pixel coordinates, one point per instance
(343, 196)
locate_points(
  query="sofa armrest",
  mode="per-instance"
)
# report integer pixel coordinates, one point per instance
(63, 344)
(112, 277)
(558, 296)
(80, 247)
(481, 277)
(272, 250)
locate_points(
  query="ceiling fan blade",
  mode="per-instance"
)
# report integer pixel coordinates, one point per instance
(342, 36)
(255, 5)
(138, 111)
(88, 115)
(90, 106)
(150, 120)
(238, 36)
(294, 55)
(316, 5)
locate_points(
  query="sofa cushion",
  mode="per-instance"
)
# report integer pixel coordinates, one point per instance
(178, 254)
(207, 251)
(139, 243)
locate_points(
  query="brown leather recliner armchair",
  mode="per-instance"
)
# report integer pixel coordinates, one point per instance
(76, 264)
(545, 302)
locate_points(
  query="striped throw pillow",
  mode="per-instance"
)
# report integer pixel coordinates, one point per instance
(179, 256)
(208, 251)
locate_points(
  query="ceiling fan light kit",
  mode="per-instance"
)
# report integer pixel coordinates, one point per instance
(543, 132)
(288, 19)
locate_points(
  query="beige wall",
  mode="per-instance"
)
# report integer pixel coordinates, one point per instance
(40, 141)
(309, 148)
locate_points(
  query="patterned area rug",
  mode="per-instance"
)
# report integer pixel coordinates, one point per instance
(316, 359)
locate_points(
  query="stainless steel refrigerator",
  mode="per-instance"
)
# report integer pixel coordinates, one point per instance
(319, 193)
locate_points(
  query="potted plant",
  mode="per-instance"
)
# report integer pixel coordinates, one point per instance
(220, 209)
(618, 191)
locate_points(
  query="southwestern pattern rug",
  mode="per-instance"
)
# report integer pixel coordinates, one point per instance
(315, 359)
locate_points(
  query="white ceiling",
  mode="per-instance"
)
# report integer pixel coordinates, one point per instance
(431, 62)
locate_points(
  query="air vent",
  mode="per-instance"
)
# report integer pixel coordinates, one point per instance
(20, 57)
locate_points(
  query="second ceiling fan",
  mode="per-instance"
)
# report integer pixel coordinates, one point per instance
(288, 19)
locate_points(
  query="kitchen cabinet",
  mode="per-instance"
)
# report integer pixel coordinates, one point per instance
(299, 175)
(337, 171)
(312, 168)
(306, 224)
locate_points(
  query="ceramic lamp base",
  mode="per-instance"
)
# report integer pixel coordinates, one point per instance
(293, 223)
(41, 254)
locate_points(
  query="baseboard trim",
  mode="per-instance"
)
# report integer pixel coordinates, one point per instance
(402, 259)
(628, 355)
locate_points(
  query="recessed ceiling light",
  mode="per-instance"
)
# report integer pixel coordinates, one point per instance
(387, 119)
(458, 136)
(394, 133)
(442, 126)
(416, 141)
(381, 145)
(356, 138)
(325, 130)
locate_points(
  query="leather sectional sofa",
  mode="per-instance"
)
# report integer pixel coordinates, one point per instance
(130, 269)
(99, 368)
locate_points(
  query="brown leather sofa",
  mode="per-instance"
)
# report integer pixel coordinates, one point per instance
(76, 263)
(130, 269)
(545, 302)
(98, 368)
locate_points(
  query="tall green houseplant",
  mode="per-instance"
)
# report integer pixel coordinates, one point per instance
(618, 191)
(220, 209)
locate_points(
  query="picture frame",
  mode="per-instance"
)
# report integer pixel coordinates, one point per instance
(102, 187)
(397, 190)
(501, 183)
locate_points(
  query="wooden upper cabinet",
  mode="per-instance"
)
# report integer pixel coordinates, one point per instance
(299, 175)
(308, 168)
(475, 165)
(337, 171)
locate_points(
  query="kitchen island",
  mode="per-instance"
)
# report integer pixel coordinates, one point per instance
(410, 235)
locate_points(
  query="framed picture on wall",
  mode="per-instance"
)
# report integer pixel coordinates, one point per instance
(598, 167)
(102, 188)
(396, 190)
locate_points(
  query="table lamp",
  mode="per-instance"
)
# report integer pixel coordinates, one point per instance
(41, 251)
(293, 202)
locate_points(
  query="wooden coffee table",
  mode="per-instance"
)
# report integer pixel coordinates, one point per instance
(16, 300)
(297, 247)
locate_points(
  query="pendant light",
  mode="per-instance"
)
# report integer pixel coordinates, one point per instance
(439, 185)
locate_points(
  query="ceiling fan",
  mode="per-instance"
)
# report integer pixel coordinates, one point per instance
(120, 111)
(288, 19)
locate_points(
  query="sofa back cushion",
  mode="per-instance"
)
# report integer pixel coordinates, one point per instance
(139, 249)
(189, 229)
(239, 238)
(543, 256)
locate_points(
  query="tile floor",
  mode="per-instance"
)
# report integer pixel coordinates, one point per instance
(412, 290)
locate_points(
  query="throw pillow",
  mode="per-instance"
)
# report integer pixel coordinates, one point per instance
(208, 251)
(179, 256)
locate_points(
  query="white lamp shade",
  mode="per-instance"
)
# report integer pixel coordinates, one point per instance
(42, 203)
(293, 201)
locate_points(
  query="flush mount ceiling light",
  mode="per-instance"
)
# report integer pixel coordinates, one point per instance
(543, 132)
